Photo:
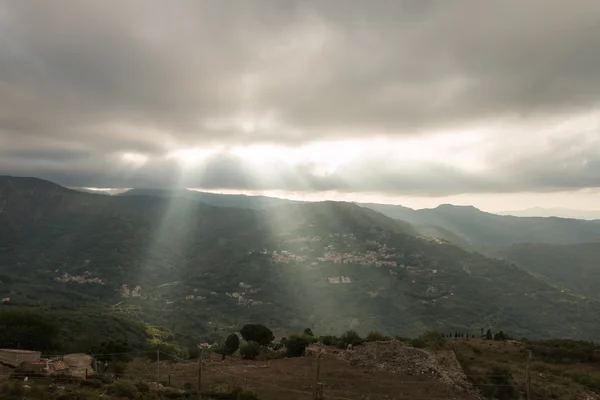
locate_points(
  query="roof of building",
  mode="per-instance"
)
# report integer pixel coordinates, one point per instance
(56, 365)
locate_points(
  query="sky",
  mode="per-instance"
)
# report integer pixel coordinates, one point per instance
(495, 104)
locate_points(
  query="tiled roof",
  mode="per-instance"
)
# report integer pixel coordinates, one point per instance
(56, 365)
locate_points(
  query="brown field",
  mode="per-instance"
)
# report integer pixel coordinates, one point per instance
(295, 378)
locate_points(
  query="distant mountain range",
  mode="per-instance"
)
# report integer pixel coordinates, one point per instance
(554, 212)
(464, 225)
(173, 260)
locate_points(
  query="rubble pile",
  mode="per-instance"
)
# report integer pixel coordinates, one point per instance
(393, 357)
(398, 358)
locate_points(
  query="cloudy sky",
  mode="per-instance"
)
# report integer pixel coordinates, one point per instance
(420, 102)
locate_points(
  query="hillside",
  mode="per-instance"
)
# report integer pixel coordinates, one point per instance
(215, 199)
(480, 228)
(201, 270)
(465, 226)
(571, 267)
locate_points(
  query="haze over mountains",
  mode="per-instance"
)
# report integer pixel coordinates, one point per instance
(554, 212)
(199, 269)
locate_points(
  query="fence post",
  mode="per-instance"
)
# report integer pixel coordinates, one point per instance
(528, 374)
(318, 385)
(157, 368)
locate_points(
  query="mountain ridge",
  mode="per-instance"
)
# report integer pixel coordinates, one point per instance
(194, 268)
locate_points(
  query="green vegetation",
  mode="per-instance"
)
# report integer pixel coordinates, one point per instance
(296, 345)
(250, 350)
(203, 270)
(570, 267)
(257, 333)
(375, 336)
(26, 329)
(351, 338)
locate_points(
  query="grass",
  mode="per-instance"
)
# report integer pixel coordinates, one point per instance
(499, 369)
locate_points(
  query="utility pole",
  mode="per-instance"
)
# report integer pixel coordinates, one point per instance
(528, 375)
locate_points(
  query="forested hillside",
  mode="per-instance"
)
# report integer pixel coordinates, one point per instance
(197, 270)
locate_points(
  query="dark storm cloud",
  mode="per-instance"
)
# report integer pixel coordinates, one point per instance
(82, 81)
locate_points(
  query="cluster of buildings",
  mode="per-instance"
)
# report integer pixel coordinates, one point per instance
(339, 279)
(85, 278)
(135, 292)
(241, 296)
(383, 257)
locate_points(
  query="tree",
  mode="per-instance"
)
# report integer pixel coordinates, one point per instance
(296, 346)
(250, 350)
(232, 343)
(28, 330)
(488, 335)
(257, 333)
(308, 332)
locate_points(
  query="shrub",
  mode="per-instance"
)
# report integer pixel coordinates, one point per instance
(351, 337)
(118, 368)
(257, 333)
(123, 389)
(250, 350)
(375, 336)
(93, 383)
(142, 387)
(328, 340)
(296, 346)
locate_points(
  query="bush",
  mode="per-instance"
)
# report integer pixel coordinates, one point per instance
(142, 387)
(250, 350)
(296, 345)
(351, 337)
(93, 383)
(123, 389)
(328, 340)
(257, 333)
(118, 368)
(375, 336)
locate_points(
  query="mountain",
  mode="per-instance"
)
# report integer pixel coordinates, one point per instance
(554, 212)
(219, 200)
(466, 226)
(200, 271)
(478, 228)
(571, 267)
